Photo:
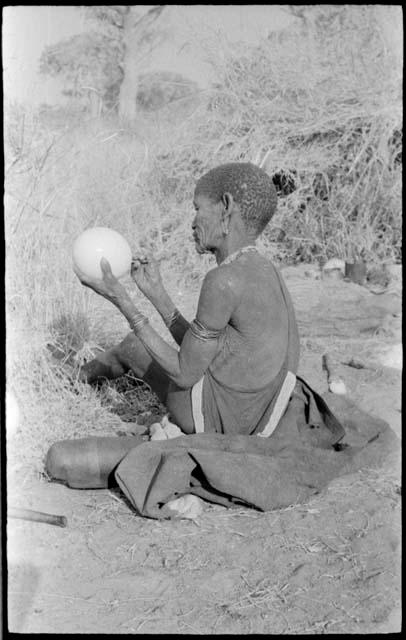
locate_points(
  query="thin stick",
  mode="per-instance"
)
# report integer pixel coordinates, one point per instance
(36, 516)
(335, 383)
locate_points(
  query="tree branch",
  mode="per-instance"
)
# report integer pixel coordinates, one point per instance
(157, 10)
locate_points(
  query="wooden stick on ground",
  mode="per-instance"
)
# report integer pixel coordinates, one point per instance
(335, 383)
(36, 516)
(356, 364)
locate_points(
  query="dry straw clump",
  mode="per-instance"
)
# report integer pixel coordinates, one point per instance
(320, 105)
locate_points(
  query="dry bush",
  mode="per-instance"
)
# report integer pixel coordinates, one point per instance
(159, 88)
(320, 105)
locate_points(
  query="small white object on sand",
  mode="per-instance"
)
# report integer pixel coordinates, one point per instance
(335, 383)
(156, 432)
(392, 357)
(187, 506)
(337, 386)
(334, 269)
(334, 264)
(164, 430)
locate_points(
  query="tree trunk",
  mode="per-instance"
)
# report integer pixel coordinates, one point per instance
(136, 28)
(127, 106)
(95, 103)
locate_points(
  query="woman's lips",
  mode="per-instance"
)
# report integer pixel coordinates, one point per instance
(198, 244)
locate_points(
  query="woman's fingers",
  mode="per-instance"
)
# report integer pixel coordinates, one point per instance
(139, 264)
(106, 268)
(97, 284)
(141, 259)
(105, 265)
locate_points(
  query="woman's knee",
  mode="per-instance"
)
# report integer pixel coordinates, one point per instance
(106, 365)
(114, 362)
(179, 405)
(132, 354)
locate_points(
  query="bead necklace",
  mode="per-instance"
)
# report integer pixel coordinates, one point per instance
(238, 253)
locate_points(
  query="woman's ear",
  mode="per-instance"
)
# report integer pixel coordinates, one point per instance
(227, 204)
(228, 201)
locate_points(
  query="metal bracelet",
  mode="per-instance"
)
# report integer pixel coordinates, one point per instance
(202, 333)
(137, 321)
(170, 320)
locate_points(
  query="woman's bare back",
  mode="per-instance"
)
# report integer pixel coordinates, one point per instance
(253, 347)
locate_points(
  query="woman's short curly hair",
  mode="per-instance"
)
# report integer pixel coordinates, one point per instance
(250, 187)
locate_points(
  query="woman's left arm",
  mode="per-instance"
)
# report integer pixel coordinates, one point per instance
(200, 344)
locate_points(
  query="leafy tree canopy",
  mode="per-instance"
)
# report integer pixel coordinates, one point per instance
(95, 60)
(109, 18)
(87, 60)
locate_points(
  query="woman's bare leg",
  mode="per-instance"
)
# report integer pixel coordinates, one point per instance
(130, 354)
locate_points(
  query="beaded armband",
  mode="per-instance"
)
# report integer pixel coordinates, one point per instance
(202, 333)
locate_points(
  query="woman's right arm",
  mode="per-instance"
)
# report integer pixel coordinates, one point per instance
(147, 277)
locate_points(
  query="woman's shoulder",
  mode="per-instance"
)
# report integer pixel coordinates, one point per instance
(222, 281)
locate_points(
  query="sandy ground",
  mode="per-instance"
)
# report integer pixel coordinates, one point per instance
(331, 565)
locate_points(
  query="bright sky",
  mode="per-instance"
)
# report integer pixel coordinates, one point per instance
(28, 29)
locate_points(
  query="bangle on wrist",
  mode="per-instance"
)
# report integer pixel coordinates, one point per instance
(137, 321)
(171, 319)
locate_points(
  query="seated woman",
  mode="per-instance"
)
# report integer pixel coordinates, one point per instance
(243, 345)
(235, 369)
